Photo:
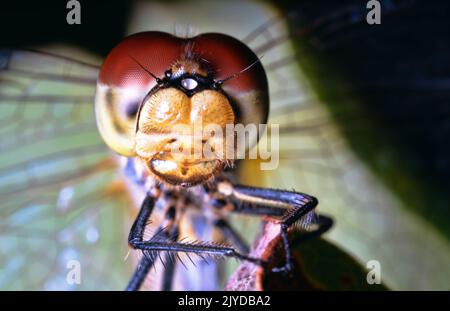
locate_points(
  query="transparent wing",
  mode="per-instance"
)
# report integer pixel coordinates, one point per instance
(57, 201)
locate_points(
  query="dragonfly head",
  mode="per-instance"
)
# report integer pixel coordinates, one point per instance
(174, 102)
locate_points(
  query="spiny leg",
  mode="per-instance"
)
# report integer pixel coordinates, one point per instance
(169, 271)
(168, 230)
(144, 265)
(153, 246)
(138, 228)
(274, 203)
(194, 247)
(148, 261)
(140, 274)
(171, 231)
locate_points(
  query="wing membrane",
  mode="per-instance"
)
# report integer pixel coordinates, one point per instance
(54, 174)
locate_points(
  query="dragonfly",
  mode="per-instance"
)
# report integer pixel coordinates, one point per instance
(17, 64)
(66, 198)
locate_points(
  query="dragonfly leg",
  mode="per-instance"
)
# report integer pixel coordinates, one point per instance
(200, 248)
(155, 245)
(140, 273)
(232, 235)
(147, 262)
(288, 206)
(168, 272)
(171, 232)
(138, 229)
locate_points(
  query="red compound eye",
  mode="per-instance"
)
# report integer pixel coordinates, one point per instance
(155, 51)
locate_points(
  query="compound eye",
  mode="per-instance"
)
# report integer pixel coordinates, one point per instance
(189, 84)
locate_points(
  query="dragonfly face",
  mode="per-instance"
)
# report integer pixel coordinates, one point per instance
(157, 94)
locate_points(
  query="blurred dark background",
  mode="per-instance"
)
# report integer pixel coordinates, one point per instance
(33, 23)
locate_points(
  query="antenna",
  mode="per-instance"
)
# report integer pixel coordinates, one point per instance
(158, 80)
(237, 74)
